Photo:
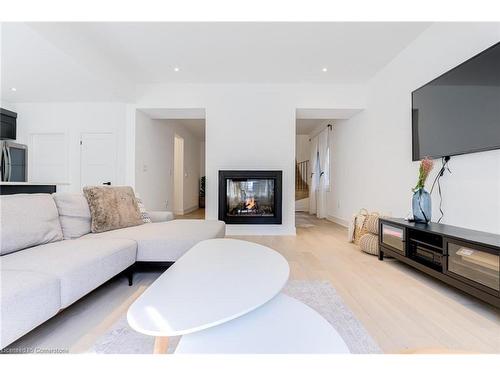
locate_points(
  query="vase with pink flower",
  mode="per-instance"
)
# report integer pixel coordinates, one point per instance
(421, 202)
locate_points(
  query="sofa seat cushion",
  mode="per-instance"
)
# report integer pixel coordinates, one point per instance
(80, 265)
(27, 299)
(28, 220)
(167, 241)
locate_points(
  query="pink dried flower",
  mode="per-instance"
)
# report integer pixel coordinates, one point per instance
(426, 166)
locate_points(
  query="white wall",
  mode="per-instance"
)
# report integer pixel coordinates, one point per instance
(7, 105)
(202, 158)
(251, 127)
(154, 163)
(372, 164)
(72, 119)
(191, 166)
(178, 175)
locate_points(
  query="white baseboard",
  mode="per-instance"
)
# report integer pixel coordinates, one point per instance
(186, 211)
(191, 209)
(338, 220)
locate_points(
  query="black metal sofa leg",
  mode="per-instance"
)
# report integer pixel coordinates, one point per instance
(130, 275)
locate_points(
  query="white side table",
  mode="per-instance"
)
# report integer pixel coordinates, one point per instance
(214, 282)
(281, 326)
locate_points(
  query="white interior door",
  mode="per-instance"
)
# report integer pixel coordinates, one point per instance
(98, 159)
(48, 156)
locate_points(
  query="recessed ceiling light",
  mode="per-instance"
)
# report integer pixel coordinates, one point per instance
(13, 89)
(176, 69)
(325, 69)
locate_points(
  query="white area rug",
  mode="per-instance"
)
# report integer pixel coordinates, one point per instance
(320, 295)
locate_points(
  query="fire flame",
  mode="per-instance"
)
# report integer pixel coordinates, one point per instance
(250, 203)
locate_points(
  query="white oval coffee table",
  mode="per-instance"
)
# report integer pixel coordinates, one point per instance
(214, 282)
(281, 326)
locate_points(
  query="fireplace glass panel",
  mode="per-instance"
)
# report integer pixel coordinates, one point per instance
(250, 197)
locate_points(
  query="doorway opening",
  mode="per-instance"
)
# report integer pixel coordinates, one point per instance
(312, 165)
(170, 160)
(314, 142)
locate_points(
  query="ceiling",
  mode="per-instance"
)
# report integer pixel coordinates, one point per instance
(309, 120)
(195, 127)
(326, 113)
(174, 113)
(193, 119)
(308, 126)
(41, 71)
(101, 61)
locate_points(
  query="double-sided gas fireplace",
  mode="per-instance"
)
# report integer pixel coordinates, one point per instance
(250, 197)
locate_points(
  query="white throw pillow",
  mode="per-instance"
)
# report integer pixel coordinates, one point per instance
(74, 214)
(28, 220)
(144, 214)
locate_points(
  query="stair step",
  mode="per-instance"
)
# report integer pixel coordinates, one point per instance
(301, 194)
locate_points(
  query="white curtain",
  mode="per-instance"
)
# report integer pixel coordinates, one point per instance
(314, 182)
(320, 174)
(323, 174)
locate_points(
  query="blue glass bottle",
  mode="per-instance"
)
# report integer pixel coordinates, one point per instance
(421, 206)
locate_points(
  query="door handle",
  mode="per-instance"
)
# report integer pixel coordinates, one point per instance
(107, 183)
(3, 165)
(8, 165)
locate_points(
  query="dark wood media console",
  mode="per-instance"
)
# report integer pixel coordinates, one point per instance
(466, 259)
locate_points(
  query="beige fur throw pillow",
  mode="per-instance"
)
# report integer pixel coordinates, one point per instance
(112, 207)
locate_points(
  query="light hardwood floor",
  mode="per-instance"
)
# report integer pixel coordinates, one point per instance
(197, 214)
(403, 309)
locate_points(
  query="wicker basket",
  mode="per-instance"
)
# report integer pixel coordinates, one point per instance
(371, 223)
(360, 225)
(369, 243)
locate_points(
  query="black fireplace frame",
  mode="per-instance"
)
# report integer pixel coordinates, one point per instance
(277, 176)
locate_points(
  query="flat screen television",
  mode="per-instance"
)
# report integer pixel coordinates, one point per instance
(459, 112)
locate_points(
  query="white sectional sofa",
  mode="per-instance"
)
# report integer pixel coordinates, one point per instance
(177, 236)
(49, 259)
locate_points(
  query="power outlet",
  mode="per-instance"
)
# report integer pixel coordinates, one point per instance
(338, 204)
(166, 203)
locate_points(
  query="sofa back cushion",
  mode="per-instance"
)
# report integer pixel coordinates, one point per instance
(28, 220)
(74, 214)
(112, 207)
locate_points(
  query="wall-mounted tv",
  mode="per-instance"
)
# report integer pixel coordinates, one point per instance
(459, 112)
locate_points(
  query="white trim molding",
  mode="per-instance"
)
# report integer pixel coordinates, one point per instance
(338, 220)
